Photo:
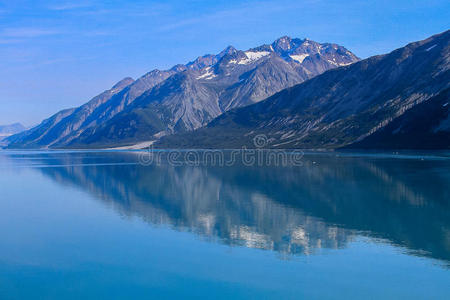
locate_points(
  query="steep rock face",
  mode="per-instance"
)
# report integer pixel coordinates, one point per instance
(341, 106)
(271, 76)
(180, 104)
(101, 108)
(36, 136)
(230, 79)
(425, 126)
(66, 122)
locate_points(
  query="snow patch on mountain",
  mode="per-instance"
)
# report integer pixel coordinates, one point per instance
(256, 55)
(299, 57)
(207, 75)
(251, 57)
(334, 63)
(430, 48)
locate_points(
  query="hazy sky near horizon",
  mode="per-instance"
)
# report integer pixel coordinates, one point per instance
(59, 54)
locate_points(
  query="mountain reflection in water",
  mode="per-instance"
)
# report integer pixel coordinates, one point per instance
(325, 203)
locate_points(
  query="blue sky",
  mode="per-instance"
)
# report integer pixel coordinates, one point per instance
(59, 54)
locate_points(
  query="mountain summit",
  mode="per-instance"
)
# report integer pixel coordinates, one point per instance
(185, 97)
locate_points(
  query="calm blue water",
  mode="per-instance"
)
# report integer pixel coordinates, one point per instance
(98, 225)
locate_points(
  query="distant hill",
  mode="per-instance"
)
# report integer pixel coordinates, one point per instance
(7, 130)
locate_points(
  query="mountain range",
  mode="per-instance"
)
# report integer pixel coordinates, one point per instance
(186, 97)
(297, 93)
(399, 100)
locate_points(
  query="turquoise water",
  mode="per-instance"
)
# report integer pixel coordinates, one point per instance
(100, 225)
